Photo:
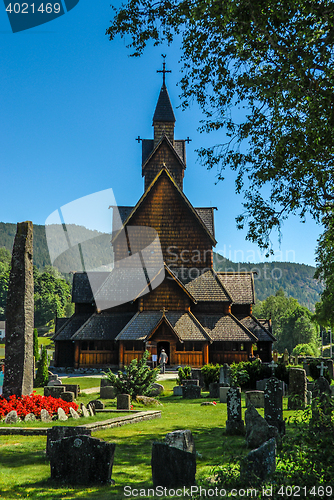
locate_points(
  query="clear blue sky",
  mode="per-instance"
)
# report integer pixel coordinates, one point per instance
(72, 104)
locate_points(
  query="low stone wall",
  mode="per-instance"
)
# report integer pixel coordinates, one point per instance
(94, 426)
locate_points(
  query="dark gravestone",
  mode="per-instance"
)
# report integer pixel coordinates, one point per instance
(81, 460)
(190, 381)
(225, 375)
(67, 396)
(18, 378)
(73, 388)
(61, 431)
(172, 467)
(258, 431)
(297, 389)
(123, 402)
(196, 373)
(234, 423)
(214, 390)
(191, 392)
(54, 391)
(321, 386)
(259, 463)
(273, 404)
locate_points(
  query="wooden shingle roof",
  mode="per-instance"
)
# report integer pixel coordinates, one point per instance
(225, 327)
(103, 326)
(256, 327)
(239, 285)
(184, 324)
(71, 326)
(164, 111)
(208, 288)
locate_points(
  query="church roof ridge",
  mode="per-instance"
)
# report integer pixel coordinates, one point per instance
(162, 139)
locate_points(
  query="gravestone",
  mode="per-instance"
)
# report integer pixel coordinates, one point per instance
(259, 463)
(156, 389)
(81, 460)
(273, 404)
(74, 414)
(172, 467)
(225, 375)
(178, 390)
(11, 417)
(19, 360)
(67, 396)
(123, 402)
(59, 432)
(30, 417)
(97, 404)
(275, 356)
(255, 398)
(321, 386)
(234, 424)
(85, 412)
(297, 389)
(190, 381)
(61, 415)
(53, 383)
(214, 390)
(196, 373)
(191, 392)
(45, 416)
(183, 440)
(223, 394)
(286, 357)
(73, 388)
(107, 391)
(54, 391)
(258, 431)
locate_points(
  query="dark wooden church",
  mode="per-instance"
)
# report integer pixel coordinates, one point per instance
(197, 315)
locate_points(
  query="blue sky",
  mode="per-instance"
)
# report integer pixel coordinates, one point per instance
(72, 104)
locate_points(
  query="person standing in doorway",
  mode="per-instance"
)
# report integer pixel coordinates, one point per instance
(163, 360)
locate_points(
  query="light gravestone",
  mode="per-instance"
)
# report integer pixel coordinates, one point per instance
(273, 404)
(297, 389)
(321, 385)
(19, 361)
(234, 424)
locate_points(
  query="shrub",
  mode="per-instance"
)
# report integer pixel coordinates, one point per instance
(239, 377)
(42, 375)
(183, 374)
(210, 374)
(304, 350)
(136, 379)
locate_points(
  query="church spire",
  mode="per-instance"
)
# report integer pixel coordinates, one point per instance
(163, 118)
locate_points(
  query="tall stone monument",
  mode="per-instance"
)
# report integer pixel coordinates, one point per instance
(18, 378)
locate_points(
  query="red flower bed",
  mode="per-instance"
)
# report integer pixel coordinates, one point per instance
(33, 404)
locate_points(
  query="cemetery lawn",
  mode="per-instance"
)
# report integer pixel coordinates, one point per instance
(25, 471)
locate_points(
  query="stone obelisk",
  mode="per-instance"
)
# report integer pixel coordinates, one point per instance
(18, 378)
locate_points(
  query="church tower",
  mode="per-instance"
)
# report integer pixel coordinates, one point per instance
(163, 150)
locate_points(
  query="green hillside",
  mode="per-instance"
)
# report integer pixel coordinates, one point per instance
(295, 279)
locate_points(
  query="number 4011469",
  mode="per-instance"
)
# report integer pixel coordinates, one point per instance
(26, 8)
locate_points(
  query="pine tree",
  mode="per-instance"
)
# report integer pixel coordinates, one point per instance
(42, 375)
(136, 379)
(36, 353)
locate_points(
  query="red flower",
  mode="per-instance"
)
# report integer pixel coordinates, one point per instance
(33, 404)
(214, 402)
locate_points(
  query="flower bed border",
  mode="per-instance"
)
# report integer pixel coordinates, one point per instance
(139, 416)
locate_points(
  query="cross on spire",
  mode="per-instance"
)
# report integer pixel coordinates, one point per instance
(164, 70)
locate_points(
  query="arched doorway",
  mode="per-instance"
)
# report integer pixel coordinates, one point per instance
(166, 346)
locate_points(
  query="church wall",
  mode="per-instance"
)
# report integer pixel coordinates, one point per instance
(163, 128)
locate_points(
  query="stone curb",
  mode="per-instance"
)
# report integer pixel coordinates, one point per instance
(94, 426)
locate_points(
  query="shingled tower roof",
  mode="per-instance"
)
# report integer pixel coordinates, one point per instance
(164, 111)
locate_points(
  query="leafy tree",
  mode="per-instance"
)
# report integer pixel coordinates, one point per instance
(136, 379)
(52, 294)
(304, 350)
(42, 376)
(292, 323)
(274, 60)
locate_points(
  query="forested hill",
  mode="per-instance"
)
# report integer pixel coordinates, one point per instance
(295, 279)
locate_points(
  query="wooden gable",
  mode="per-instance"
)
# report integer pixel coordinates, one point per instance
(184, 238)
(164, 154)
(169, 295)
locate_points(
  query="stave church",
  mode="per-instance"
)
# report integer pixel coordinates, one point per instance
(197, 315)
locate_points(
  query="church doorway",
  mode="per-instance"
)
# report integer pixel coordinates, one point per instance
(166, 346)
